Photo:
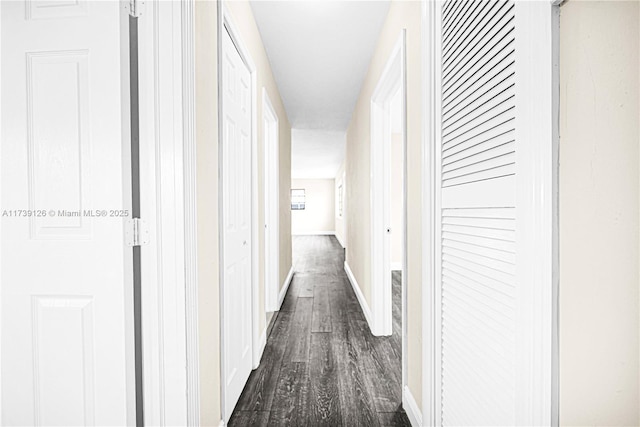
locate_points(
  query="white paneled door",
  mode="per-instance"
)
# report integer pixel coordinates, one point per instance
(493, 315)
(67, 348)
(236, 181)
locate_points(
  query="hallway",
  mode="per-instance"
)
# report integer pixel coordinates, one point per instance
(321, 365)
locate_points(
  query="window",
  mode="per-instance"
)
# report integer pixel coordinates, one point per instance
(340, 201)
(297, 199)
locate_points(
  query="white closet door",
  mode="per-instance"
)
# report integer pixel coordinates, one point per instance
(483, 307)
(236, 149)
(67, 291)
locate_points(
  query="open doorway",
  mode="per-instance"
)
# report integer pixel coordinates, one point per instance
(271, 204)
(388, 203)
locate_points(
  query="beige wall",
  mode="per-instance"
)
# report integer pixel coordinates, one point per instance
(599, 193)
(207, 210)
(402, 14)
(207, 187)
(319, 213)
(340, 220)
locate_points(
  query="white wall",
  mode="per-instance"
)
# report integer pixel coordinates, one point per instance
(599, 201)
(318, 217)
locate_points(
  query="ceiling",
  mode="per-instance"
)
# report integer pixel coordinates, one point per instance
(319, 53)
(316, 154)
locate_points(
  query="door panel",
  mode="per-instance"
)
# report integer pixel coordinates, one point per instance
(476, 223)
(236, 151)
(66, 276)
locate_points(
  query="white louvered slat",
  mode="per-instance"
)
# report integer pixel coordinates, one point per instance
(473, 146)
(463, 21)
(489, 11)
(500, 90)
(491, 26)
(467, 64)
(485, 117)
(477, 244)
(495, 167)
(479, 74)
(454, 13)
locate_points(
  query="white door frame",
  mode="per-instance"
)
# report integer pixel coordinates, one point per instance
(190, 212)
(226, 24)
(167, 181)
(271, 166)
(538, 83)
(392, 79)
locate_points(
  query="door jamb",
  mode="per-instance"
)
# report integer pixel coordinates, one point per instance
(167, 118)
(226, 23)
(271, 204)
(428, 204)
(544, 89)
(190, 211)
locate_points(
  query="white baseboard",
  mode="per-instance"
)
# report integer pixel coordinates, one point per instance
(261, 346)
(313, 233)
(222, 423)
(339, 240)
(285, 288)
(395, 266)
(411, 408)
(361, 299)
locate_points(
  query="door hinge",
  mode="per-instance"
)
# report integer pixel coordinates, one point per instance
(135, 7)
(136, 232)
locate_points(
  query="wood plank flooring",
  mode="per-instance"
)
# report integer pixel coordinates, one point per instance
(321, 365)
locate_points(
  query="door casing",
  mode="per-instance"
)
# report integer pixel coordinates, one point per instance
(391, 80)
(167, 175)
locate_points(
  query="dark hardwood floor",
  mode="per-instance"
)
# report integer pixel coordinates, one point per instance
(321, 365)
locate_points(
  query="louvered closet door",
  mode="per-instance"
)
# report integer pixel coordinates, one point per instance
(476, 227)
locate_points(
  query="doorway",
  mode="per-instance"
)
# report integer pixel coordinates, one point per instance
(271, 169)
(388, 201)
